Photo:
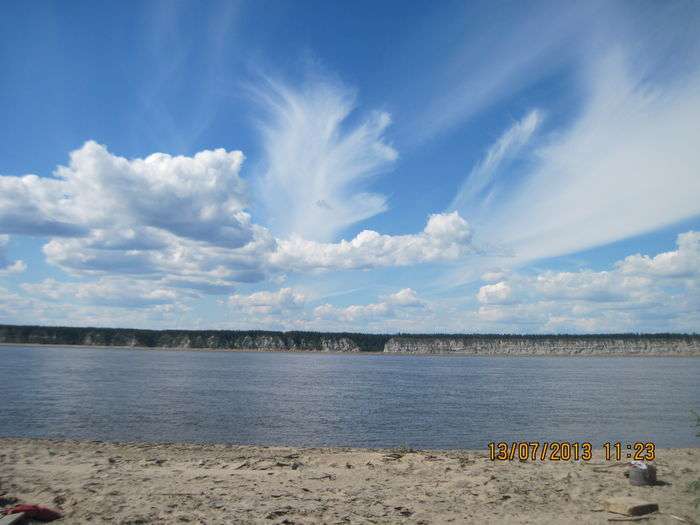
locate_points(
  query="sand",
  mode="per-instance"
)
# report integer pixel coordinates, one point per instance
(95, 482)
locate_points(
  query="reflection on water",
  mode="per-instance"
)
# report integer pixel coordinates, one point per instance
(344, 400)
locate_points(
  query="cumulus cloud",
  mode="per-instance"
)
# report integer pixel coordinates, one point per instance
(185, 263)
(289, 308)
(13, 268)
(499, 293)
(105, 302)
(639, 293)
(405, 298)
(446, 237)
(683, 262)
(390, 307)
(180, 261)
(125, 293)
(16, 308)
(7, 267)
(283, 309)
(316, 162)
(582, 285)
(266, 302)
(181, 221)
(67, 310)
(199, 197)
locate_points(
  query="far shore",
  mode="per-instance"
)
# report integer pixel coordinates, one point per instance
(99, 482)
(388, 354)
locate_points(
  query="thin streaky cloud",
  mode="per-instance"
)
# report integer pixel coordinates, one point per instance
(472, 193)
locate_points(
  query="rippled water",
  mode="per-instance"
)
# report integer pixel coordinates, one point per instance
(344, 400)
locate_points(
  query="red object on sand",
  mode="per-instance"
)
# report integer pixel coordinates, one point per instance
(35, 512)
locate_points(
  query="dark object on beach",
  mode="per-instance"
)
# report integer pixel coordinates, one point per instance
(35, 512)
(7, 500)
(642, 474)
(630, 506)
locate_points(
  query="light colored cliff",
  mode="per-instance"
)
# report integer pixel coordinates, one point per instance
(553, 345)
(626, 344)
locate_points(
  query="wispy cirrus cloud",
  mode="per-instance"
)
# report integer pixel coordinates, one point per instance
(161, 118)
(627, 165)
(317, 162)
(472, 195)
(498, 57)
(155, 234)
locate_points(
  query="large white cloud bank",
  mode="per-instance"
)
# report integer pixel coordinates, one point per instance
(182, 222)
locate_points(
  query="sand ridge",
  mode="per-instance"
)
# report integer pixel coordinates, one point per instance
(132, 483)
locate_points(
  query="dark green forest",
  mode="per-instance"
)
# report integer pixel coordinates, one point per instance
(250, 339)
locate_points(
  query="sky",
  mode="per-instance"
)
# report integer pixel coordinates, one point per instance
(440, 167)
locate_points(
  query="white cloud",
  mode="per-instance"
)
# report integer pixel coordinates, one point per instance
(182, 262)
(392, 306)
(494, 275)
(200, 197)
(509, 144)
(16, 308)
(7, 267)
(102, 303)
(405, 297)
(628, 165)
(583, 285)
(317, 163)
(266, 302)
(180, 220)
(186, 263)
(14, 268)
(641, 293)
(353, 313)
(499, 293)
(290, 308)
(179, 223)
(498, 58)
(446, 237)
(282, 309)
(117, 292)
(683, 262)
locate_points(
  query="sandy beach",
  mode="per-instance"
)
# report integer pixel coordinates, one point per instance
(130, 483)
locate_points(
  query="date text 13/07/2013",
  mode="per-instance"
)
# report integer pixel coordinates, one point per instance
(569, 450)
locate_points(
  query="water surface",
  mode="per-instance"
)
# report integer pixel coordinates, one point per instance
(344, 400)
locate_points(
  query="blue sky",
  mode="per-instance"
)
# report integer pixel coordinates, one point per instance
(365, 166)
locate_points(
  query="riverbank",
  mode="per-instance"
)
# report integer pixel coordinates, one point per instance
(393, 353)
(344, 342)
(186, 483)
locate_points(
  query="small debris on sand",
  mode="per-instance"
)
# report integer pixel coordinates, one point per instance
(630, 506)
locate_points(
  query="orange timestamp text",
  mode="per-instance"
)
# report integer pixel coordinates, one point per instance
(542, 451)
(568, 451)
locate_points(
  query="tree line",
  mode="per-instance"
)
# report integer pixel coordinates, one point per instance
(233, 339)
